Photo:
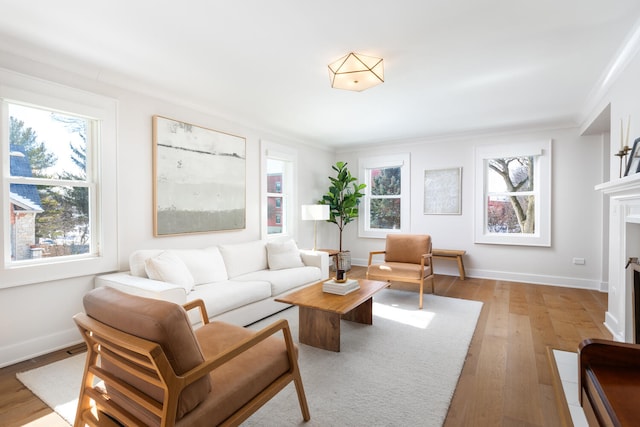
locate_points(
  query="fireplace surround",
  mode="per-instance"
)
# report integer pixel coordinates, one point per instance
(624, 243)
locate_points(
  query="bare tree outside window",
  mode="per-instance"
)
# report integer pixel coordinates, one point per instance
(510, 196)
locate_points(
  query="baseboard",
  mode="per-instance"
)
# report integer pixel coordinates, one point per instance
(611, 323)
(38, 346)
(538, 279)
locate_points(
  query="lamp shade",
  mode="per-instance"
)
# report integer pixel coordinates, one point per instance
(315, 212)
(356, 72)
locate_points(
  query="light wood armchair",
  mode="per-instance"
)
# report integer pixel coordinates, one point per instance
(407, 258)
(155, 370)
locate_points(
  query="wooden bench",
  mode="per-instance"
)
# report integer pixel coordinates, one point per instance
(451, 254)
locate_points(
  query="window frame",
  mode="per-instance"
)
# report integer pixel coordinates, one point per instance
(26, 90)
(542, 153)
(289, 156)
(365, 164)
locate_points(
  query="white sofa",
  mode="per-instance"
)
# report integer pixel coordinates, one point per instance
(237, 282)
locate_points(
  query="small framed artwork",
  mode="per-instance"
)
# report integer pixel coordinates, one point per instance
(199, 179)
(442, 191)
(633, 165)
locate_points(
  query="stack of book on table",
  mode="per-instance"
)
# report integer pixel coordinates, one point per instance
(333, 287)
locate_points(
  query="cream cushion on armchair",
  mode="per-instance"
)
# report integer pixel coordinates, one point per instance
(407, 258)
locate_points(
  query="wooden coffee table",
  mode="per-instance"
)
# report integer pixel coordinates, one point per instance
(320, 312)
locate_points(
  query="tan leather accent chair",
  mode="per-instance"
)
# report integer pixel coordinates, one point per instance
(157, 371)
(407, 258)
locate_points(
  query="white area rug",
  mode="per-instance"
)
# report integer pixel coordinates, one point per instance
(402, 370)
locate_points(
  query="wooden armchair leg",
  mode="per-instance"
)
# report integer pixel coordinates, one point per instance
(421, 291)
(302, 398)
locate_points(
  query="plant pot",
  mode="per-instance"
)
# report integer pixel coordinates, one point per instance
(342, 261)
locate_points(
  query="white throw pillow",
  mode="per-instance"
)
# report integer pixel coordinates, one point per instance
(168, 267)
(205, 265)
(283, 255)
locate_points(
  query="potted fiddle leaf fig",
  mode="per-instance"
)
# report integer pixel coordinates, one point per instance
(343, 199)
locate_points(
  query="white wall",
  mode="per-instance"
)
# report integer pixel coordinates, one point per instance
(622, 98)
(36, 318)
(576, 211)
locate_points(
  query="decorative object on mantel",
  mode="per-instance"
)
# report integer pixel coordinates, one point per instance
(634, 161)
(356, 72)
(624, 147)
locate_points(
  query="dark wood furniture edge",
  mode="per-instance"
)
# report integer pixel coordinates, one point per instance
(602, 353)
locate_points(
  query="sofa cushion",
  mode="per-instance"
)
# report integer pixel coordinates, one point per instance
(243, 258)
(159, 321)
(284, 280)
(168, 267)
(282, 255)
(205, 265)
(221, 297)
(138, 258)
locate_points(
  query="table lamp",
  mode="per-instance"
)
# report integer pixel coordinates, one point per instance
(315, 213)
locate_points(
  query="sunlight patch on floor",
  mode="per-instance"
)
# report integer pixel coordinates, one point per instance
(416, 318)
(49, 420)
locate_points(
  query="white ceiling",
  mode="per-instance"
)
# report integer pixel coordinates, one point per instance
(451, 67)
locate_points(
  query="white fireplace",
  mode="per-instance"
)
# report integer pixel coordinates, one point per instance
(624, 243)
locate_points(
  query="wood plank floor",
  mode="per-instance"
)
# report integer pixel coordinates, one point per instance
(506, 379)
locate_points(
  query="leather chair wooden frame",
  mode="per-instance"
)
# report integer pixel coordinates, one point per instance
(407, 258)
(146, 363)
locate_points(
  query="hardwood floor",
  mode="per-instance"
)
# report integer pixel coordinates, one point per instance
(506, 379)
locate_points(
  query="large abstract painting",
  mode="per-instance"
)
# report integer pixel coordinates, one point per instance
(199, 179)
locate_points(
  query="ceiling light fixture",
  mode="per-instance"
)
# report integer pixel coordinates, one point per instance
(356, 72)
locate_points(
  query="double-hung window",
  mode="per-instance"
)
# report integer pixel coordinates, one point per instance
(385, 207)
(279, 164)
(513, 194)
(58, 184)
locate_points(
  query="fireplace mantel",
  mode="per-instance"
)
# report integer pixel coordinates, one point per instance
(623, 185)
(624, 242)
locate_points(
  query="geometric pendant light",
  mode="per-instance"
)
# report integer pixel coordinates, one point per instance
(356, 72)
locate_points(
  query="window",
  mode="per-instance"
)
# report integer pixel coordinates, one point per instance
(279, 164)
(50, 183)
(385, 208)
(56, 143)
(513, 194)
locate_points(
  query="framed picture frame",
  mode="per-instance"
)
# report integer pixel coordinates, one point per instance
(633, 165)
(199, 179)
(443, 191)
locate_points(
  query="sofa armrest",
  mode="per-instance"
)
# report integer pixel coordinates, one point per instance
(316, 259)
(143, 287)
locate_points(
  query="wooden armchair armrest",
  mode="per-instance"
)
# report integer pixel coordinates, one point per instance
(371, 254)
(198, 303)
(424, 258)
